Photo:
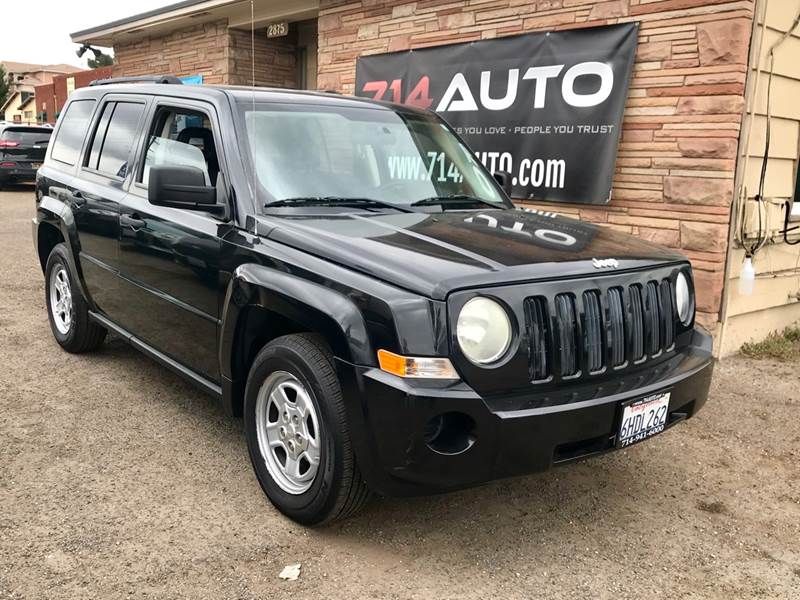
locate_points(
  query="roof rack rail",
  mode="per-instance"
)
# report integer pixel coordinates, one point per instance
(171, 79)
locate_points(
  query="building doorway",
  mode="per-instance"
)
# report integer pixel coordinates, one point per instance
(306, 54)
(280, 54)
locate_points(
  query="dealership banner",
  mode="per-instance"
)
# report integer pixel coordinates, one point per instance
(545, 107)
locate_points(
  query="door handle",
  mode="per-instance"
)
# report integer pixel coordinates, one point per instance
(78, 198)
(132, 221)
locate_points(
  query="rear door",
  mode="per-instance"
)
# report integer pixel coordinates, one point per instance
(98, 190)
(24, 146)
(170, 272)
(97, 238)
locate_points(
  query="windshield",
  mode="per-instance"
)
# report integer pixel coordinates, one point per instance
(319, 152)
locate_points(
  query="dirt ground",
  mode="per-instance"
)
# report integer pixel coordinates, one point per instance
(119, 480)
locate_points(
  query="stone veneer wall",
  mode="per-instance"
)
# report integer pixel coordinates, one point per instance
(203, 49)
(675, 169)
(219, 54)
(275, 59)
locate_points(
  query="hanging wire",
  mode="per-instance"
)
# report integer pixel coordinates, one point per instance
(787, 207)
(763, 235)
(253, 94)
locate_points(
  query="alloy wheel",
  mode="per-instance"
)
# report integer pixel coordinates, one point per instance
(61, 299)
(288, 431)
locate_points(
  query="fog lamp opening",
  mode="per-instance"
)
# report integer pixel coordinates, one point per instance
(450, 433)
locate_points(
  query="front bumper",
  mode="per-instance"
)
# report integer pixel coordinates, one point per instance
(508, 435)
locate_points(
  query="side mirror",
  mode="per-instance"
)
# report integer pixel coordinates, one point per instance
(504, 179)
(183, 187)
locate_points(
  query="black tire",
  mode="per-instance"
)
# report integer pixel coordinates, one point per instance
(83, 334)
(338, 490)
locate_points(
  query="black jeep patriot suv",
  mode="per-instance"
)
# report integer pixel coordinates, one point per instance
(348, 277)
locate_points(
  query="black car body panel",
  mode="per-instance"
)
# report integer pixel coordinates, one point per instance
(463, 250)
(513, 435)
(200, 292)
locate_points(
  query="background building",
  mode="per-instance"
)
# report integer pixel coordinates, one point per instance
(24, 74)
(23, 78)
(19, 107)
(51, 97)
(694, 130)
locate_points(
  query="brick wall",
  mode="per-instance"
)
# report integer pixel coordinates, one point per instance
(675, 170)
(81, 79)
(219, 54)
(51, 97)
(45, 103)
(202, 49)
(275, 59)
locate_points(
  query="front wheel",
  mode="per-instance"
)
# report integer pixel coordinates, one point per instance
(66, 307)
(297, 433)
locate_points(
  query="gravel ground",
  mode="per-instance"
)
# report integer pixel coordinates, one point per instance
(119, 480)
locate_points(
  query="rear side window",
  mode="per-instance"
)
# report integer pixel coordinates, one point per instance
(114, 137)
(99, 136)
(25, 137)
(72, 132)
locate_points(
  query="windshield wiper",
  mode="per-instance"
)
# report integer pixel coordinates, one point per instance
(454, 199)
(333, 201)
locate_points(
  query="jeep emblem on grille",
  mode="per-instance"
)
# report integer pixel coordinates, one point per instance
(605, 263)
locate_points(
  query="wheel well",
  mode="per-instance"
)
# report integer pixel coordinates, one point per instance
(48, 236)
(256, 327)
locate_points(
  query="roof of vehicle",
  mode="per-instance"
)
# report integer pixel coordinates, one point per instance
(240, 93)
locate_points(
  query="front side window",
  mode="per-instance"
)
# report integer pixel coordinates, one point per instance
(399, 158)
(181, 137)
(74, 125)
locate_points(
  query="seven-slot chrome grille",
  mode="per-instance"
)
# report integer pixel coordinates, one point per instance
(573, 334)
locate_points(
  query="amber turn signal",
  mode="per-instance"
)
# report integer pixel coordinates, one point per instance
(416, 367)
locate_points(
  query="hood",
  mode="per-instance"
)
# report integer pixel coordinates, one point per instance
(435, 254)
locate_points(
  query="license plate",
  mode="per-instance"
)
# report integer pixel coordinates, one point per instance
(642, 419)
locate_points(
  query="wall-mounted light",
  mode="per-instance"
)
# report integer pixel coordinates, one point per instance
(82, 50)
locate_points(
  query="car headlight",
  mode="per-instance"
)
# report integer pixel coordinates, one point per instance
(683, 299)
(483, 330)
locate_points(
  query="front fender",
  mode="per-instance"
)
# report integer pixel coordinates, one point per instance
(323, 310)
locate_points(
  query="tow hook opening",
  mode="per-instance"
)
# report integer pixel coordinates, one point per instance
(450, 433)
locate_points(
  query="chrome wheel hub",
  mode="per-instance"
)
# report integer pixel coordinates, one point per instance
(61, 299)
(287, 428)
